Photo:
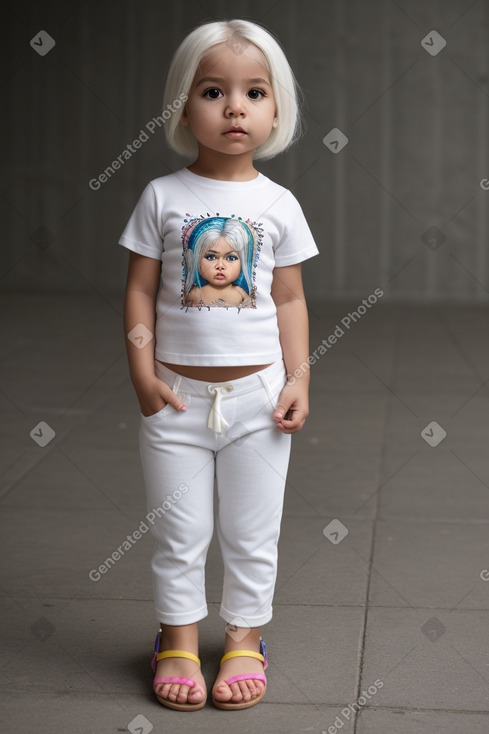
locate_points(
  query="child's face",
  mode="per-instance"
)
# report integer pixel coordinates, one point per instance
(231, 90)
(220, 265)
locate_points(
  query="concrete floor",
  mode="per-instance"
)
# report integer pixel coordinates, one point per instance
(398, 607)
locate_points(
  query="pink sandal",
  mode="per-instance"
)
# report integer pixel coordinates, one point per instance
(158, 680)
(262, 655)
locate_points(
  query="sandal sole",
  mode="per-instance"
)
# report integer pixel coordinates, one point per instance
(181, 706)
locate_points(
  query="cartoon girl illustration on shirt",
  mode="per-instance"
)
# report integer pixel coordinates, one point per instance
(219, 258)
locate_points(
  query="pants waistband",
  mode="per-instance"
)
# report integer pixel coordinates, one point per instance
(239, 386)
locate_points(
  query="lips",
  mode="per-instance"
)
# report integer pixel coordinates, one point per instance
(235, 131)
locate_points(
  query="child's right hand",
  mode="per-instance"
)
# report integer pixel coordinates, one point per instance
(154, 395)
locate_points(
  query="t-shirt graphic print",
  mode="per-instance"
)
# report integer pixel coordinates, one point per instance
(220, 255)
(218, 244)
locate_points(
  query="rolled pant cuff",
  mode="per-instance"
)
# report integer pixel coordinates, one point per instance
(245, 620)
(180, 619)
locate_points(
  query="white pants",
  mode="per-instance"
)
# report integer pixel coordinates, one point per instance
(249, 458)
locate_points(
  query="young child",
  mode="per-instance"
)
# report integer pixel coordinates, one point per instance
(217, 253)
(212, 381)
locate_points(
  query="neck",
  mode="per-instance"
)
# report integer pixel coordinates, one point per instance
(224, 167)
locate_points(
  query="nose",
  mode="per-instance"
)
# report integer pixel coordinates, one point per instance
(235, 107)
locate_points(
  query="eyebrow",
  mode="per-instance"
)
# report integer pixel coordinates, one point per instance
(219, 80)
(216, 252)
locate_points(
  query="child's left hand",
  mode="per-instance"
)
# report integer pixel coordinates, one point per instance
(292, 408)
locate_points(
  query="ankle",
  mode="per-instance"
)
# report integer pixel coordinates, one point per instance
(242, 638)
(179, 637)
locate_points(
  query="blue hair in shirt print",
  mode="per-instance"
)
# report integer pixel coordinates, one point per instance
(220, 255)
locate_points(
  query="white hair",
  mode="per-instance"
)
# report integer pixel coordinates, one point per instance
(184, 67)
(235, 233)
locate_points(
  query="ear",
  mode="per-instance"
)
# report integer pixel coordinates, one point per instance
(184, 117)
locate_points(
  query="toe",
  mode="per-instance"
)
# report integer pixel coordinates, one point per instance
(182, 694)
(253, 688)
(258, 685)
(195, 695)
(162, 690)
(237, 690)
(222, 692)
(250, 685)
(245, 690)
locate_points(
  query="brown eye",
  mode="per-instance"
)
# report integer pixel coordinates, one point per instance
(255, 94)
(213, 93)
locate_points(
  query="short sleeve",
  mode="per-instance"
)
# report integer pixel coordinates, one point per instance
(297, 243)
(142, 233)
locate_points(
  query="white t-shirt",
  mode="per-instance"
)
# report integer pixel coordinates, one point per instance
(218, 242)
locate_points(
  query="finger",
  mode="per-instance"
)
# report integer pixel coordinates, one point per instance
(175, 401)
(287, 431)
(293, 425)
(281, 411)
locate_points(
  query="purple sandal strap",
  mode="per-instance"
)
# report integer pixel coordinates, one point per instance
(157, 641)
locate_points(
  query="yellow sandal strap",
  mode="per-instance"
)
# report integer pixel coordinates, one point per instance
(242, 653)
(178, 654)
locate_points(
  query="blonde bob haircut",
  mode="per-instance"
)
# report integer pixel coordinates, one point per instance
(237, 34)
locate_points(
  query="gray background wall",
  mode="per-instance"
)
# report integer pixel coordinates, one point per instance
(417, 126)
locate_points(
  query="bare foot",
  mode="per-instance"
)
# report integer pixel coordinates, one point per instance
(180, 638)
(246, 690)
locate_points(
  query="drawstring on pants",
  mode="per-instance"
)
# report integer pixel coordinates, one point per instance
(216, 420)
